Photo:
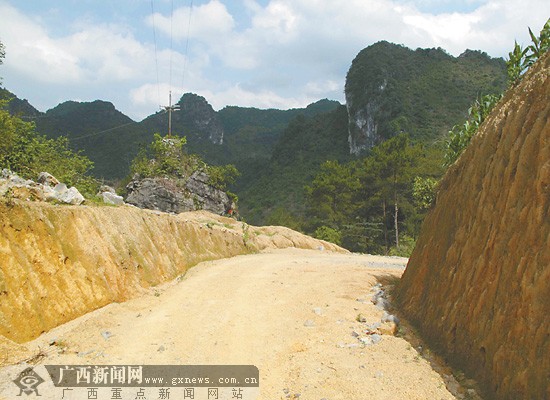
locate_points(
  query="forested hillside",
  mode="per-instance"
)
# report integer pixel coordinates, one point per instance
(272, 191)
(107, 136)
(392, 89)
(111, 140)
(286, 158)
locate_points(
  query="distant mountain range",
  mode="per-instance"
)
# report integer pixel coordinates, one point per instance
(389, 89)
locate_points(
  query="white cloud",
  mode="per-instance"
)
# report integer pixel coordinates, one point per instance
(107, 54)
(448, 30)
(208, 22)
(281, 53)
(492, 27)
(252, 6)
(32, 52)
(236, 95)
(321, 88)
(279, 18)
(103, 53)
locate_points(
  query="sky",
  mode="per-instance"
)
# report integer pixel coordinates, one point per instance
(251, 53)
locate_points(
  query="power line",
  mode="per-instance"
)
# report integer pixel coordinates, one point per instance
(186, 46)
(99, 133)
(171, 108)
(156, 58)
(171, 36)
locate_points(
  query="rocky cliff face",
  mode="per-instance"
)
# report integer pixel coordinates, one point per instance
(198, 114)
(179, 195)
(478, 281)
(391, 89)
(60, 262)
(363, 127)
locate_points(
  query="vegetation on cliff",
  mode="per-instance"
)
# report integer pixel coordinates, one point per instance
(519, 61)
(392, 89)
(168, 157)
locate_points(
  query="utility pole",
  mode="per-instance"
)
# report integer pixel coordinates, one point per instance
(169, 108)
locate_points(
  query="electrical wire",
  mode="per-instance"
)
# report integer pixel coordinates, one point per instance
(171, 36)
(156, 66)
(186, 46)
(156, 58)
(99, 133)
(72, 139)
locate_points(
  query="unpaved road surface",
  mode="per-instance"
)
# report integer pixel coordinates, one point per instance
(292, 313)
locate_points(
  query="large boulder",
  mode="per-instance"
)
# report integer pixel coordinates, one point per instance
(68, 195)
(109, 196)
(478, 282)
(178, 195)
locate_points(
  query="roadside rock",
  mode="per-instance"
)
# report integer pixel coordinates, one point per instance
(178, 195)
(109, 196)
(388, 328)
(47, 188)
(47, 179)
(68, 195)
(208, 197)
(361, 318)
(390, 318)
(107, 188)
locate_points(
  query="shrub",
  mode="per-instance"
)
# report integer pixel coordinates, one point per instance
(28, 153)
(329, 234)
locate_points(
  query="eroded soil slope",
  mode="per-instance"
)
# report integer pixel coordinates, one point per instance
(478, 281)
(60, 262)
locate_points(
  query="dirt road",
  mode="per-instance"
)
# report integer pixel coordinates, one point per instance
(292, 313)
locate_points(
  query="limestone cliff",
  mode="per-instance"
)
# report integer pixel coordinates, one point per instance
(424, 92)
(60, 262)
(478, 282)
(199, 115)
(179, 195)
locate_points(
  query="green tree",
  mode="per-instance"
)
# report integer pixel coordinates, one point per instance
(394, 161)
(330, 195)
(364, 201)
(424, 191)
(222, 176)
(520, 60)
(461, 135)
(167, 156)
(27, 153)
(329, 234)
